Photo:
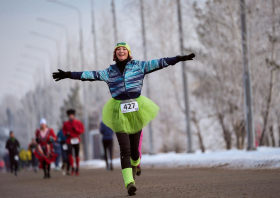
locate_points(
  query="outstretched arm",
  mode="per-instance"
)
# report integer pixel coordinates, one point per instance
(154, 65)
(84, 76)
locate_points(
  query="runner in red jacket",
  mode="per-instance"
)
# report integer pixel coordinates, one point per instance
(72, 129)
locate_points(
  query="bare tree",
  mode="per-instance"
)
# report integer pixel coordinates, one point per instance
(196, 123)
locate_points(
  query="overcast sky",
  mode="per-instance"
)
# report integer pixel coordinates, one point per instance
(19, 17)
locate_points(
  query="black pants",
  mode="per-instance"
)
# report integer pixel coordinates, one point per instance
(108, 145)
(76, 148)
(46, 167)
(34, 161)
(13, 162)
(129, 148)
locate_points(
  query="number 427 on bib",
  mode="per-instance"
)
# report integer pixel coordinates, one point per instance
(129, 107)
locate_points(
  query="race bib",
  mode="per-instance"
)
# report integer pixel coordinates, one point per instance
(16, 157)
(75, 140)
(129, 106)
(65, 147)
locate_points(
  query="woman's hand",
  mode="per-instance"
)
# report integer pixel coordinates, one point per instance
(61, 75)
(186, 57)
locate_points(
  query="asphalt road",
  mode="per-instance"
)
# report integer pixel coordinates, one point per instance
(212, 182)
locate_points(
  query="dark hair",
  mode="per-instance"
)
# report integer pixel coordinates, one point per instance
(71, 112)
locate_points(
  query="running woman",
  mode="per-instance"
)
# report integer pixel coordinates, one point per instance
(127, 112)
(44, 151)
(72, 129)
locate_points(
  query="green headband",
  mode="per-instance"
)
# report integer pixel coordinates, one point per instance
(123, 44)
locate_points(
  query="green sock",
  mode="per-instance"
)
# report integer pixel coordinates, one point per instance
(127, 176)
(135, 163)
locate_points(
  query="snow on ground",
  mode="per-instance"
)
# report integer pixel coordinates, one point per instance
(263, 157)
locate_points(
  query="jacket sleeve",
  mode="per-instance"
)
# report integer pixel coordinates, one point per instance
(101, 75)
(157, 64)
(18, 144)
(52, 134)
(59, 136)
(80, 129)
(64, 129)
(101, 128)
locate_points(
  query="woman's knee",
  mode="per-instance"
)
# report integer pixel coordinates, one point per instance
(125, 151)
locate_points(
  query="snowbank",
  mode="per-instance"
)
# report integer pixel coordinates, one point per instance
(93, 164)
(263, 157)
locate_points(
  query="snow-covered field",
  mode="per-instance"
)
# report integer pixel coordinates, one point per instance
(263, 157)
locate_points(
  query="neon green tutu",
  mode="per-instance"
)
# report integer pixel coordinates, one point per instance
(131, 122)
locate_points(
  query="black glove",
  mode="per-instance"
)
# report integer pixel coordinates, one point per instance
(61, 75)
(186, 57)
(37, 140)
(67, 134)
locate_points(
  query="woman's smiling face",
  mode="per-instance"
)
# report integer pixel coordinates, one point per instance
(121, 53)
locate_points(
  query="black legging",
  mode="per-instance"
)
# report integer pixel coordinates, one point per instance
(46, 167)
(13, 162)
(108, 144)
(76, 148)
(34, 161)
(129, 148)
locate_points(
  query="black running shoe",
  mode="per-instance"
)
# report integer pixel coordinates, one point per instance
(131, 189)
(138, 173)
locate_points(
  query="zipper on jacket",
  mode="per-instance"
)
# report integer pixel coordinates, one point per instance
(124, 82)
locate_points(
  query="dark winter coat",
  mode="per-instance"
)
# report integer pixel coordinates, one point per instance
(106, 132)
(12, 145)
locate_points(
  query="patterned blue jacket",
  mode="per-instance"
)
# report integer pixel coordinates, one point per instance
(129, 84)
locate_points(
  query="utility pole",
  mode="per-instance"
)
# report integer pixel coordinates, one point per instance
(86, 135)
(247, 82)
(147, 77)
(114, 21)
(94, 47)
(94, 34)
(185, 82)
